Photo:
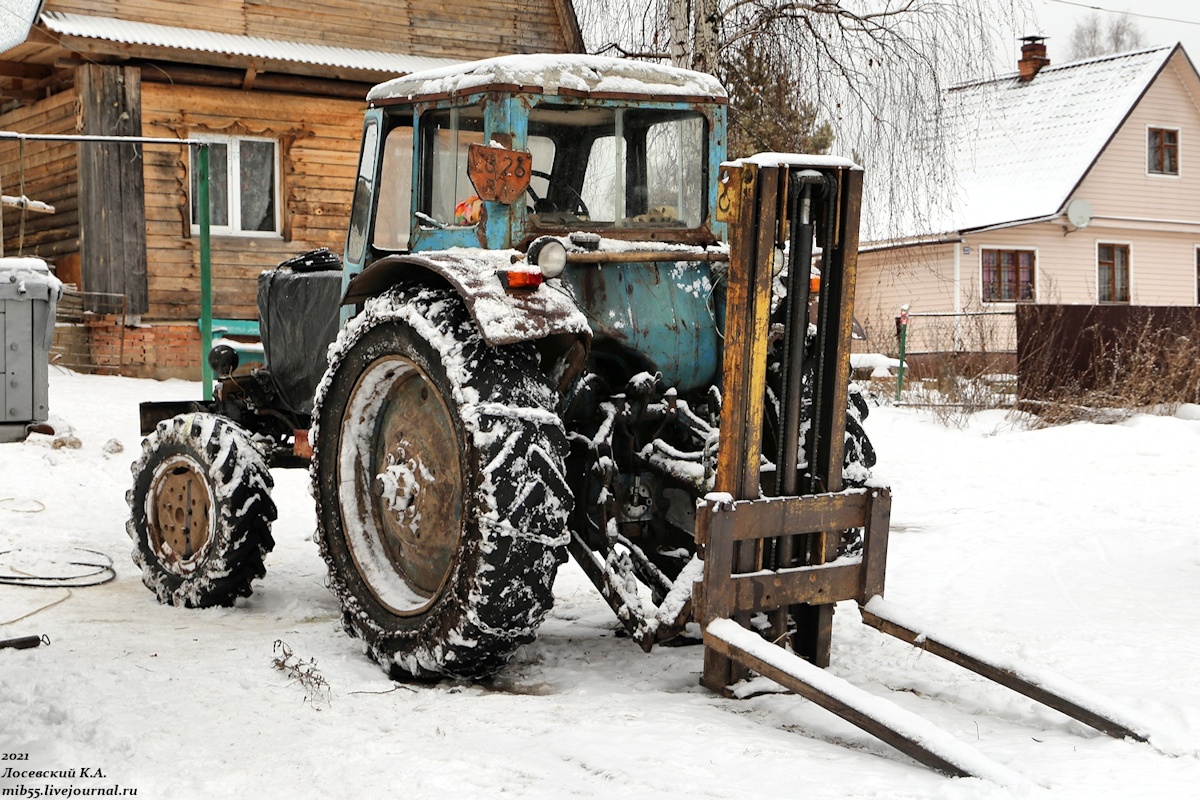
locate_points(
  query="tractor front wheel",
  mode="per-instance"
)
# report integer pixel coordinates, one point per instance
(200, 511)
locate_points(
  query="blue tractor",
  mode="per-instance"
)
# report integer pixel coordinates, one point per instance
(519, 355)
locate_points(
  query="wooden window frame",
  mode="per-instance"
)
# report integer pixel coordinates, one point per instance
(1156, 153)
(1100, 287)
(233, 179)
(992, 291)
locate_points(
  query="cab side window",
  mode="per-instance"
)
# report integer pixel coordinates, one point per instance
(447, 196)
(393, 219)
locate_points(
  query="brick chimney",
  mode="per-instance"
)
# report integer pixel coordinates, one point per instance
(1033, 57)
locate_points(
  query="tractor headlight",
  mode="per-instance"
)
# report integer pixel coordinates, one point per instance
(548, 255)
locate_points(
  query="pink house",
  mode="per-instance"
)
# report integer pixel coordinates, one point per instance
(1076, 184)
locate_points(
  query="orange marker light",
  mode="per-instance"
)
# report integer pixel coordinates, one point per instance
(520, 279)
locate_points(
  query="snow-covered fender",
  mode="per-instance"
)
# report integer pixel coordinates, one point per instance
(547, 314)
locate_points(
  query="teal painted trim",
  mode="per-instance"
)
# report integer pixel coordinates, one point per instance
(717, 152)
(236, 327)
(206, 376)
(373, 116)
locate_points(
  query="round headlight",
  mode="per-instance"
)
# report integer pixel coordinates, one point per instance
(548, 255)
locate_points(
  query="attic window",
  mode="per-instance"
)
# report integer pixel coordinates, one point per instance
(1008, 275)
(1162, 151)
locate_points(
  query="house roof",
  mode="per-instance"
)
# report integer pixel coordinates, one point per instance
(16, 18)
(1020, 149)
(170, 37)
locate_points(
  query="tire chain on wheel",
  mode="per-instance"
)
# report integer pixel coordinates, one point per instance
(242, 511)
(500, 587)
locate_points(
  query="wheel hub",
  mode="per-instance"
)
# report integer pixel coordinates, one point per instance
(404, 482)
(180, 514)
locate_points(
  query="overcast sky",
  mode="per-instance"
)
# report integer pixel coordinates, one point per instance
(1056, 19)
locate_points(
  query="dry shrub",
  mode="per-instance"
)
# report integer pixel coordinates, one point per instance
(970, 368)
(305, 673)
(1103, 364)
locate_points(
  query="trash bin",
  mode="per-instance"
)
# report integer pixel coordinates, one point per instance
(29, 294)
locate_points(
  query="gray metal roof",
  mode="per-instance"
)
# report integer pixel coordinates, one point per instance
(143, 33)
(16, 18)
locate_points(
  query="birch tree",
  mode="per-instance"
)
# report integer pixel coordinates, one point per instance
(1091, 37)
(874, 71)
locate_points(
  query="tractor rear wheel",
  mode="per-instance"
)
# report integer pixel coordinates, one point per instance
(200, 511)
(438, 473)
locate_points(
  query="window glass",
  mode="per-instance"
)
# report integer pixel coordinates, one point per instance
(542, 149)
(1112, 271)
(675, 168)
(449, 198)
(218, 185)
(360, 209)
(1162, 151)
(393, 218)
(257, 178)
(243, 185)
(1008, 275)
(601, 193)
(622, 167)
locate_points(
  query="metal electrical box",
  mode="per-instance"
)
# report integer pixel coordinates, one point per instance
(29, 294)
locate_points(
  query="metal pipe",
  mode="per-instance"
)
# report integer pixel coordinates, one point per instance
(205, 271)
(644, 256)
(79, 137)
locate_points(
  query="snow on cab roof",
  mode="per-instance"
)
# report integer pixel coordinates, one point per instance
(1021, 148)
(582, 73)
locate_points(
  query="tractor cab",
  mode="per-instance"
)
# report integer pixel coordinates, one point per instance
(467, 172)
(498, 153)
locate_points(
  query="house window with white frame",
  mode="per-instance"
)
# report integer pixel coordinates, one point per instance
(1162, 151)
(1112, 270)
(243, 187)
(1008, 275)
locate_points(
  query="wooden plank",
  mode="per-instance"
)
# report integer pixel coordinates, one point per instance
(714, 595)
(875, 545)
(903, 730)
(112, 194)
(883, 720)
(818, 584)
(773, 516)
(994, 668)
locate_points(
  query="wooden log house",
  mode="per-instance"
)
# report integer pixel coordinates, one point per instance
(279, 88)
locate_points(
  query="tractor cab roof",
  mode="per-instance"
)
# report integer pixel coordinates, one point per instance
(565, 74)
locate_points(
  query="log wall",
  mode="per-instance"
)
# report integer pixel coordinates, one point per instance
(51, 174)
(318, 146)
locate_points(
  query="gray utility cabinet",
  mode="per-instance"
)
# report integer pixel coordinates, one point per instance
(29, 294)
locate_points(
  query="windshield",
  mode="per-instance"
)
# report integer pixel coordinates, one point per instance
(617, 168)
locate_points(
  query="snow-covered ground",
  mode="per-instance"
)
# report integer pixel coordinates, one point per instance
(1074, 548)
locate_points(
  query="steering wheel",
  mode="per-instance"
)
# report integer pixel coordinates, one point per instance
(581, 209)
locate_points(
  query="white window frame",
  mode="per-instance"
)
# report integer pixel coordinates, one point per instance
(1196, 268)
(1178, 173)
(233, 181)
(1037, 276)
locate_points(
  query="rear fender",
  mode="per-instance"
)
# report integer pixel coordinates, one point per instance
(547, 314)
